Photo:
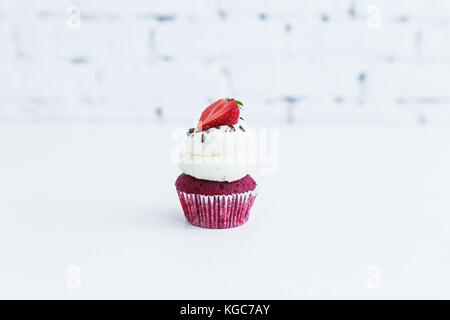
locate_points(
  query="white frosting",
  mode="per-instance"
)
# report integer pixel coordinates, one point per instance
(218, 154)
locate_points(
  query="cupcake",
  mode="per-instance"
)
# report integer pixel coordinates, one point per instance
(215, 189)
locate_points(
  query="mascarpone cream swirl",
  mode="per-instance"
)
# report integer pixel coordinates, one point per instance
(217, 154)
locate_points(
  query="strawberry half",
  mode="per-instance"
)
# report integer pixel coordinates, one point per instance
(222, 112)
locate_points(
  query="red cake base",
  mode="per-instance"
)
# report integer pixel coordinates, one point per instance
(216, 205)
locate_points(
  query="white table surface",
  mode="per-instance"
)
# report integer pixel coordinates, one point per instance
(102, 198)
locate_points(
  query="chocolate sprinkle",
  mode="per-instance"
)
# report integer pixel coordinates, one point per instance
(203, 137)
(241, 118)
(190, 131)
(217, 127)
(240, 127)
(232, 128)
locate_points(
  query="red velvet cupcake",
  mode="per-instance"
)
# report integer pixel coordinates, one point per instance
(216, 205)
(215, 189)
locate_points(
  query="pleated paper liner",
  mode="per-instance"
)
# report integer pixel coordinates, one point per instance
(217, 211)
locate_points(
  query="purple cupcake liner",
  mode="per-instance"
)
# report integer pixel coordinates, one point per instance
(217, 211)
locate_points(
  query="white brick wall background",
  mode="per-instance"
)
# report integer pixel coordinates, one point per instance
(288, 60)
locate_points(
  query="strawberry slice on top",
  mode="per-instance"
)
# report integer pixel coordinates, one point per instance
(222, 112)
